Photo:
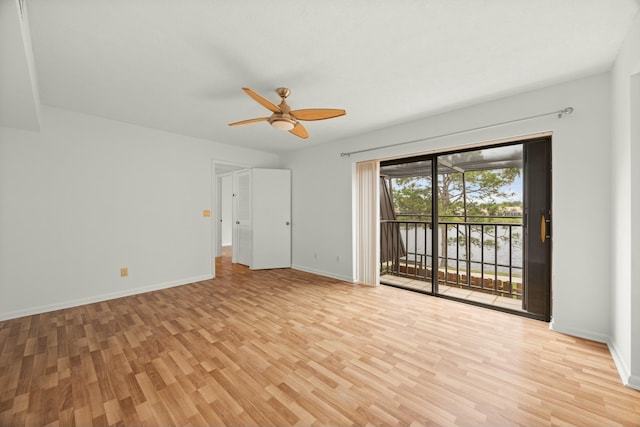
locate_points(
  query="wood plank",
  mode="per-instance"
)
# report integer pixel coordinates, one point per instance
(285, 347)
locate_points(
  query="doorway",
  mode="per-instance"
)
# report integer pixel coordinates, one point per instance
(223, 207)
(490, 208)
(259, 224)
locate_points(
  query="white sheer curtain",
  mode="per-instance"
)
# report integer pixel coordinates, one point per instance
(368, 222)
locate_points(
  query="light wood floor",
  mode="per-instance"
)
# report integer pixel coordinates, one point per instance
(285, 347)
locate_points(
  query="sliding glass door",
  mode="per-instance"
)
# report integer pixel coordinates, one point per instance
(484, 251)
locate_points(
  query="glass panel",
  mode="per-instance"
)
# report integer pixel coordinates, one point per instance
(480, 208)
(405, 247)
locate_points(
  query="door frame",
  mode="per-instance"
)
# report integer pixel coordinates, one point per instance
(219, 168)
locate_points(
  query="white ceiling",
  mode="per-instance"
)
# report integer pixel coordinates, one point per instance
(179, 66)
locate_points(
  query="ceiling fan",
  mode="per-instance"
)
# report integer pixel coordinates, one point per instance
(285, 119)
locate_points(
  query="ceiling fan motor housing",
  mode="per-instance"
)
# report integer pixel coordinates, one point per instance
(282, 121)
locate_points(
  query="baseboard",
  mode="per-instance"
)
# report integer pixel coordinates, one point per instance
(99, 298)
(580, 333)
(323, 273)
(631, 381)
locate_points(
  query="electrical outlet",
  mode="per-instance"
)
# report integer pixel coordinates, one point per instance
(124, 272)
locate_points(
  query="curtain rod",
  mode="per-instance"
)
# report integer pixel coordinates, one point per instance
(559, 113)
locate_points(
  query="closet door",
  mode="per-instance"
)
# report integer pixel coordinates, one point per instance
(271, 215)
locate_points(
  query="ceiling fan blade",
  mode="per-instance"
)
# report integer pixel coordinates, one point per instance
(260, 100)
(246, 122)
(317, 113)
(299, 130)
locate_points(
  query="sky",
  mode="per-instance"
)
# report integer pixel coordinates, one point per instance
(516, 187)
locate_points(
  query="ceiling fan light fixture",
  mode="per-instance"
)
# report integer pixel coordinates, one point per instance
(283, 124)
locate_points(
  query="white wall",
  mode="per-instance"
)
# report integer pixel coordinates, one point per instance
(322, 191)
(321, 226)
(625, 206)
(86, 196)
(634, 377)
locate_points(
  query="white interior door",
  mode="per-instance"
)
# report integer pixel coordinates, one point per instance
(271, 218)
(242, 238)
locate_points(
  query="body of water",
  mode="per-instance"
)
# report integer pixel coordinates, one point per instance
(487, 244)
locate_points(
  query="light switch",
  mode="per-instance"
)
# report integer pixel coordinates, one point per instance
(124, 272)
(206, 213)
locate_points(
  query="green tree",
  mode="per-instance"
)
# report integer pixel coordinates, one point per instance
(461, 196)
(482, 190)
(412, 196)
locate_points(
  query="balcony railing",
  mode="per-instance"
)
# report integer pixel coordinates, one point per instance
(477, 255)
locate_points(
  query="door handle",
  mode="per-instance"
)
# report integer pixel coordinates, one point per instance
(238, 222)
(287, 222)
(543, 228)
